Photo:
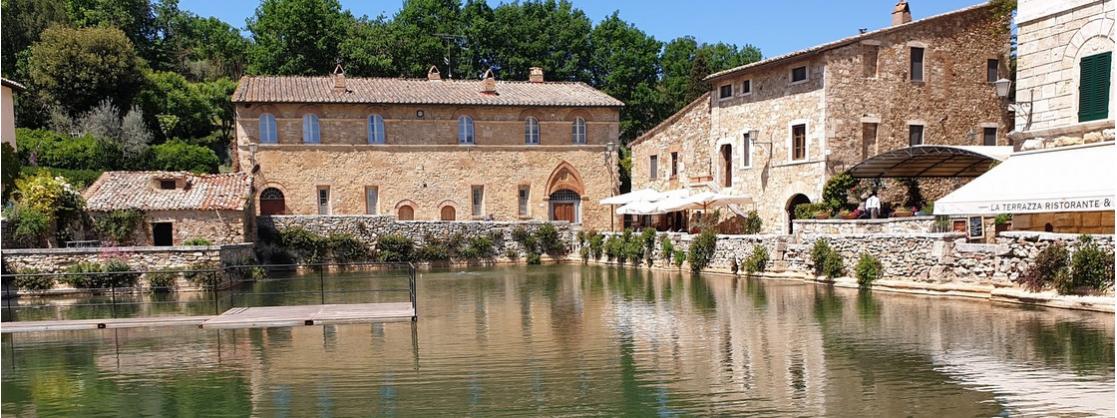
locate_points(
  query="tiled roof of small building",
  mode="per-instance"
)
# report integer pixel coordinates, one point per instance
(842, 42)
(272, 89)
(140, 190)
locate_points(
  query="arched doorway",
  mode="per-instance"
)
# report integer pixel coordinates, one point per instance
(272, 202)
(727, 165)
(405, 213)
(566, 206)
(795, 200)
(447, 213)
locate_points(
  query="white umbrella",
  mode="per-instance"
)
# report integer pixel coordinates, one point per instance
(653, 205)
(633, 196)
(705, 200)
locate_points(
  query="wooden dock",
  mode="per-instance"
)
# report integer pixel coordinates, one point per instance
(251, 317)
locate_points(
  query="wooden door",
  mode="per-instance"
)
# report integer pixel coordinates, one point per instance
(564, 212)
(727, 165)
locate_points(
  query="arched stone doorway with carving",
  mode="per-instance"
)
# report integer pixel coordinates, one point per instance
(565, 191)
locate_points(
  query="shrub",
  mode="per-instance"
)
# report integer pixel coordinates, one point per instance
(120, 225)
(197, 241)
(203, 274)
(79, 178)
(819, 252)
(833, 266)
(433, 250)
(597, 245)
(1002, 219)
(584, 253)
(868, 270)
(163, 280)
(30, 226)
(83, 275)
(480, 247)
(534, 259)
(1050, 263)
(178, 155)
(810, 210)
(31, 280)
(1091, 266)
(119, 274)
(666, 247)
(10, 168)
(680, 258)
(757, 260)
(835, 194)
(647, 236)
(634, 250)
(914, 198)
(753, 224)
(306, 246)
(702, 250)
(614, 248)
(346, 248)
(47, 148)
(244, 269)
(549, 240)
(395, 248)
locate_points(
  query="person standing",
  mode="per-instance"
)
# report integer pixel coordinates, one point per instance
(873, 206)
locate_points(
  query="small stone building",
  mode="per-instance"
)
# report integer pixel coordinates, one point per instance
(429, 149)
(177, 206)
(777, 129)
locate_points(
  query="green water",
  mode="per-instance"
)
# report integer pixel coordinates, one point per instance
(574, 340)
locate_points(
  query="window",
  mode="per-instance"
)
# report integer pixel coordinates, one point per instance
(1093, 87)
(162, 234)
(989, 136)
(799, 142)
(799, 74)
(674, 164)
(653, 166)
(267, 129)
(323, 200)
(311, 132)
(523, 195)
(465, 130)
(167, 184)
(531, 131)
(578, 134)
(405, 213)
(727, 165)
(746, 151)
(478, 200)
(868, 140)
(272, 202)
(916, 64)
(869, 57)
(372, 198)
(746, 87)
(915, 135)
(992, 68)
(375, 129)
(725, 91)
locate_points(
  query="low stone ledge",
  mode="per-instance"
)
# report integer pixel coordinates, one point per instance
(1035, 236)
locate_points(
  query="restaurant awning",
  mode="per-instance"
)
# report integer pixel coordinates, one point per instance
(1068, 179)
(679, 199)
(932, 161)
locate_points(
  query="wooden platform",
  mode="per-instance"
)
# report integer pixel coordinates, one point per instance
(253, 317)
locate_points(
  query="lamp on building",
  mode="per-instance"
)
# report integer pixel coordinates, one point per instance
(1004, 87)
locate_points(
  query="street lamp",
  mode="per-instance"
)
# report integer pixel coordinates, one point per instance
(1002, 86)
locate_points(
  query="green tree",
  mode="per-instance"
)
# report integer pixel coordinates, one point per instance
(9, 170)
(624, 64)
(135, 18)
(180, 108)
(371, 48)
(22, 23)
(549, 34)
(177, 155)
(218, 96)
(296, 37)
(77, 68)
(419, 25)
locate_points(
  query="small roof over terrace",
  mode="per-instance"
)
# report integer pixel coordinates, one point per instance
(932, 161)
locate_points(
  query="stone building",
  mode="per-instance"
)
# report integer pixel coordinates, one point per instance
(1063, 91)
(429, 149)
(777, 129)
(177, 206)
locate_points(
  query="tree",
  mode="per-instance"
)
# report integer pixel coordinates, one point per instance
(296, 37)
(624, 63)
(549, 34)
(421, 23)
(177, 155)
(371, 49)
(179, 107)
(22, 23)
(77, 68)
(218, 96)
(135, 18)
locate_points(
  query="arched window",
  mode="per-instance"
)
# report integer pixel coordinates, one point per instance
(375, 129)
(405, 213)
(311, 133)
(465, 129)
(448, 213)
(531, 131)
(267, 129)
(272, 202)
(565, 205)
(579, 131)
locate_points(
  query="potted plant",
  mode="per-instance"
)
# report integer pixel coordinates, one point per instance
(902, 212)
(822, 214)
(1002, 222)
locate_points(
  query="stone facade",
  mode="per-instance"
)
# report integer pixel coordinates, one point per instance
(912, 225)
(850, 84)
(421, 165)
(56, 260)
(216, 226)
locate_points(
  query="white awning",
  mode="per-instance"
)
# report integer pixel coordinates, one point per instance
(650, 204)
(703, 200)
(1068, 179)
(633, 196)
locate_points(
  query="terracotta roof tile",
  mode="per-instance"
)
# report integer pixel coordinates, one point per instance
(139, 190)
(271, 89)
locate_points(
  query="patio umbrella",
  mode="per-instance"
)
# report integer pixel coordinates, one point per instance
(705, 200)
(633, 196)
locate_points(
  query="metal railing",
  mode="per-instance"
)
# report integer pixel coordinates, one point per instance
(121, 293)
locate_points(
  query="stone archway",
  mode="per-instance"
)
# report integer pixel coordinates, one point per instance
(795, 200)
(565, 191)
(565, 176)
(272, 202)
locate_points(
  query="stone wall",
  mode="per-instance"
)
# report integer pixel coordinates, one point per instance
(685, 133)
(56, 260)
(368, 228)
(916, 225)
(218, 227)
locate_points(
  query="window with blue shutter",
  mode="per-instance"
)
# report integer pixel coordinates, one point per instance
(1093, 87)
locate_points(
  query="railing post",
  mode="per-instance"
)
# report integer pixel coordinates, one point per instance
(112, 287)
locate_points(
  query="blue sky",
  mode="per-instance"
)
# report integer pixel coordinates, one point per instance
(776, 26)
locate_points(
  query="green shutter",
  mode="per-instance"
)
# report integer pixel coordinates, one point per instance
(1093, 87)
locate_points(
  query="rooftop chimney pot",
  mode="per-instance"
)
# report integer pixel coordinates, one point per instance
(901, 14)
(536, 75)
(488, 83)
(433, 74)
(339, 79)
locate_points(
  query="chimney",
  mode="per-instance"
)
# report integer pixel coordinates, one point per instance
(488, 84)
(536, 75)
(339, 79)
(433, 74)
(901, 14)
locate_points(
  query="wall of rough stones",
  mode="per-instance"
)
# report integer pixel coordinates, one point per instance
(368, 228)
(916, 224)
(56, 260)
